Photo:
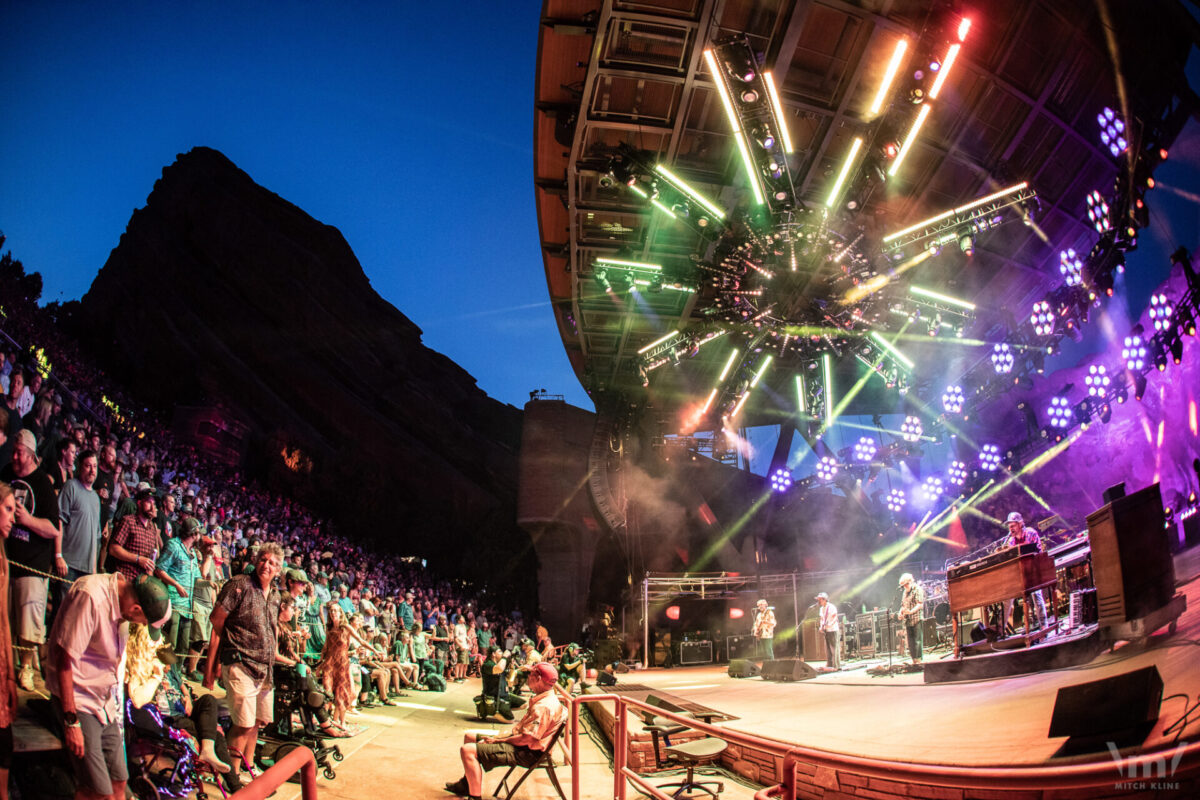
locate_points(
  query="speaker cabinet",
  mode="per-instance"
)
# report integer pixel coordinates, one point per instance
(739, 647)
(1131, 560)
(1191, 530)
(813, 641)
(695, 653)
(606, 651)
(787, 669)
(1122, 710)
(742, 668)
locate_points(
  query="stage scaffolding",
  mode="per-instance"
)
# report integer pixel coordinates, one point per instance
(662, 588)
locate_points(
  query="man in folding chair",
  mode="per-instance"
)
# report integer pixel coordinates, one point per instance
(524, 744)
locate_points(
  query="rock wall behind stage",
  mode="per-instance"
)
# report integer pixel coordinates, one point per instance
(1148, 441)
(222, 292)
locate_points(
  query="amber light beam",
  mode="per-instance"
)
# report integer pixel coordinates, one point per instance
(889, 76)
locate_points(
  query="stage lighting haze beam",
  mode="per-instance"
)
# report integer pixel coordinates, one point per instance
(733, 354)
(784, 135)
(686, 188)
(922, 115)
(843, 172)
(888, 76)
(954, 301)
(891, 348)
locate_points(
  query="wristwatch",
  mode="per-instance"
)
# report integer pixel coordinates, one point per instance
(70, 719)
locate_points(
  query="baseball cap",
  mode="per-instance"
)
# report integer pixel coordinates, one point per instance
(545, 671)
(1014, 517)
(191, 525)
(156, 604)
(26, 439)
(297, 575)
(142, 494)
(822, 596)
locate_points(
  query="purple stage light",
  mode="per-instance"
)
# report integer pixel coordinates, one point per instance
(1161, 310)
(1042, 318)
(932, 488)
(957, 474)
(1134, 353)
(896, 500)
(989, 457)
(953, 400)
(865, 449)
(1002, 359)
(1098, 212)
(1112, 132)
(1097, 381)
(1071, 267)
(1059, 412)
(827, 468)
(911, 429)
(781, 480)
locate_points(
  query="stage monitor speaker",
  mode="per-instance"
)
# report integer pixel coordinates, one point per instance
(1121, 710)
(742, 668)
(1131, 561)
(787, 669)
(606, 651)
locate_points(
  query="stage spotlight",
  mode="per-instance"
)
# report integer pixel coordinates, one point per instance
(1097, 381)
(1160, 359)
(1161, 310)
(911, 429)
(1121, 394)
(1186, 320)
(1071, 267)
(966, 243)
(989, 457)
(1098, 212)
(1134, 353)
(931, 488)
(896, 500)
(762, 135)
(1059, 412)
(865, 449)
(1002, 359)
(1042, 318)
(827, 468)
(957, 474)
(781, 479)
(1112, 131)
(952, 400)
(1175, 345)
(1139, 386)
(1105, 413)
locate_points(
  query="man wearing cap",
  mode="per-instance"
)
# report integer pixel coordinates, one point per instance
(86, 645)
(34, 546)
(912, 604)
(827, 623)
(1019, 534)
(244, 626)
(179, 567)
(136, 544)
(764, 630)
(524, 744)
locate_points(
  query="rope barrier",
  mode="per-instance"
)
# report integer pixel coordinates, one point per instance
(28, 568)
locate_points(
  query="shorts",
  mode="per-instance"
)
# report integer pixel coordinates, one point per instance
(464, 655)
(29, 600)
(503, 754)
(250, 702)
(103, 761)
(6, 747)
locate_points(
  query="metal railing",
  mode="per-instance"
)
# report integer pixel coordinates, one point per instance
(1102, 772)
(299, 760)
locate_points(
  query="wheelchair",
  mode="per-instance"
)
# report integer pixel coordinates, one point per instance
(167, 764)
(284, 734)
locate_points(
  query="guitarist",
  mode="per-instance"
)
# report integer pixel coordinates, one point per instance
(912, 603)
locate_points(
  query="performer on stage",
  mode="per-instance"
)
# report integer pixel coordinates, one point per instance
(828, 625)
(1018, 535)
(764, 631)
(911, 606)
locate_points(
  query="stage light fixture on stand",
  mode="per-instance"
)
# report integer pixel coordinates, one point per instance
(896, 500)
(1112, 131)
(1098, 212)
(957, 474)
(1042, 318)
(1139, 386)
(932, 488)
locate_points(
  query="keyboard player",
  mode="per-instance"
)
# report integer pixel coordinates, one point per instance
(1019, 534)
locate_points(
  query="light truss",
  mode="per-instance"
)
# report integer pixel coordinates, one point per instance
(964, 219)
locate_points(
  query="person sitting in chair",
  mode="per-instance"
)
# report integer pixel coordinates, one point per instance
(524, 744)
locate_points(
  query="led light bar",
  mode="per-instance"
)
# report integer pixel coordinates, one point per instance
(801, 394)
(708, 403)
(947, 63)
(741, 401)
(684, 187)
(845, 170)
(719, 81)
(889, 76)
(658, 341)
(784, 136)
(963, 27)
(891, 348)
(827, 375)
(1016, 187)
(951, 212)
(922, 115)
(728, 365)
(954, 301)
(758, 375)
(614, 262)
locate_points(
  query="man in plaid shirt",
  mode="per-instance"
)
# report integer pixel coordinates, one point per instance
(136, 544)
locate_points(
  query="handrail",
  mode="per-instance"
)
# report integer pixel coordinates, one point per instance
(300, 759)
(1066, 776)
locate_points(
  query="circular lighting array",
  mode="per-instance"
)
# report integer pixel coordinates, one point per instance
(1042, 318)
(1071, 267)
(911, 429)
(1002, 358)
(1160, 311)
(865, 449)
(953, 399)
(989, 457)
(1097, 381)
(1098, 211)
(932, 488)
(781, 479)
(957, 474)
(1134, 353)
(1112, 131)
(827, 468)
(896, 500)
(1059, 412)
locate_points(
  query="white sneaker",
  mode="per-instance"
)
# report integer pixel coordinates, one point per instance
(25, 678)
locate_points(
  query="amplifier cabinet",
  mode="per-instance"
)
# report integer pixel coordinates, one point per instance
(695, 653)
(1131, 562)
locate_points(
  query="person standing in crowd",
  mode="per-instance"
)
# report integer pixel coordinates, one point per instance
(79, 513)
(136, 544)
(912, 603)
(12, 418)
(827, 617)
(204, 594)
(86, 645)
(764, 630)
(179, 567)
(34, 546)
(243, 642)
(106, 480)
(64, 464)
(406, 612)
(8, 678)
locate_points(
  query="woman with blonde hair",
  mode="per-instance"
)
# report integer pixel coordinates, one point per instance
(334, 667)
(8, 677)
